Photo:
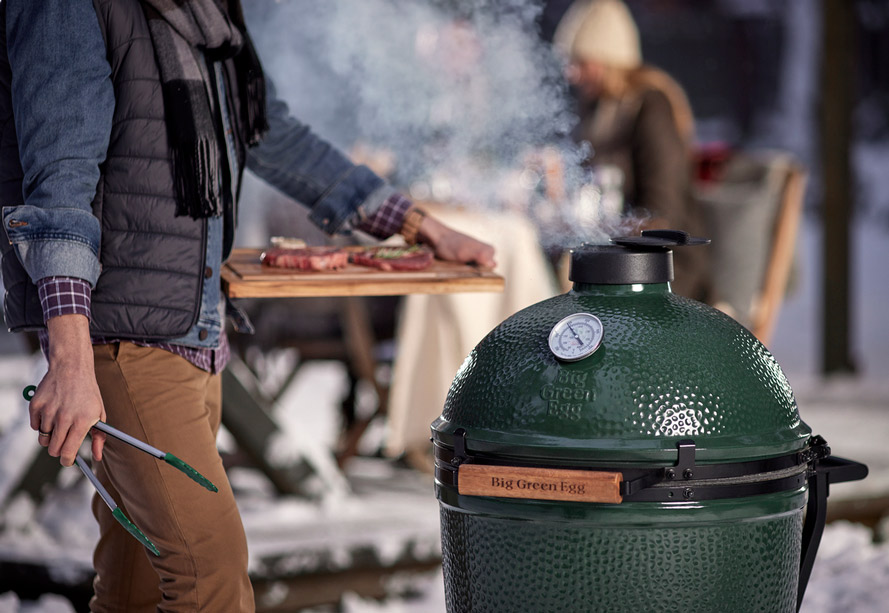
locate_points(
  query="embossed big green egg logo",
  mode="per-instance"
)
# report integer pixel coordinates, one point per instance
(567, 395)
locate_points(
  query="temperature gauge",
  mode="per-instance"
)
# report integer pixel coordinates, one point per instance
(576, 337)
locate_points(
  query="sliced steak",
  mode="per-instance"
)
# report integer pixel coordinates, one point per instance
(306, 258)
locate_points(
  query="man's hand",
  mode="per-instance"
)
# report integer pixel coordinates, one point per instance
(67, 402)
(455, 246)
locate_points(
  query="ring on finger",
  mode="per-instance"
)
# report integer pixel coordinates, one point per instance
(42, 433)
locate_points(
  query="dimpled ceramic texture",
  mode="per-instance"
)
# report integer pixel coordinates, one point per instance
(495, 565)
(668, 369)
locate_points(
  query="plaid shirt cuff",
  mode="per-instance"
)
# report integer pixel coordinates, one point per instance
(388, 219)
(64, 296)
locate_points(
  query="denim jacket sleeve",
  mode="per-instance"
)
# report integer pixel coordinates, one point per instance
(63, 102)
(308, 169)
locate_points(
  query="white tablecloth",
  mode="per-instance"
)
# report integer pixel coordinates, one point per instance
(437, 332)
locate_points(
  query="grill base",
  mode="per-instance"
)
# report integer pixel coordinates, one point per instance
(495, 565)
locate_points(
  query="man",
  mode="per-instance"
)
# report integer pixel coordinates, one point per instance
(124, 129)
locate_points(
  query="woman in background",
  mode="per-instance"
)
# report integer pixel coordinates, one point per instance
(637, 120)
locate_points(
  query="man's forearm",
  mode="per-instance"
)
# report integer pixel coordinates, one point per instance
(70, 347)
(68, 402)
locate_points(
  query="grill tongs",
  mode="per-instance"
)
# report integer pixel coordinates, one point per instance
(169, 458)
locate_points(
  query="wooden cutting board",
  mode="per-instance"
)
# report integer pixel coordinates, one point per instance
(243, 276)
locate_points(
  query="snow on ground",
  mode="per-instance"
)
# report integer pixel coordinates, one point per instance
(48, 603)
(851, 575)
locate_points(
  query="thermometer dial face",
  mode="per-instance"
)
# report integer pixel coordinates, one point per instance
(576, 337)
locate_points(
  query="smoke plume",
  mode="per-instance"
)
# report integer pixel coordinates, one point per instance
(454, 101)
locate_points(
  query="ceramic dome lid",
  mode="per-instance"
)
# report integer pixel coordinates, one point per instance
(665, 369)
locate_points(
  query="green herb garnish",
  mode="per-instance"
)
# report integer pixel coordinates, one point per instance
(391, 253)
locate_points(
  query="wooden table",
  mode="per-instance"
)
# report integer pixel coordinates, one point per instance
(244, 276)
(248, 415)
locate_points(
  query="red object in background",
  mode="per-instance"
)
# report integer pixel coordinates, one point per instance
(709, 161)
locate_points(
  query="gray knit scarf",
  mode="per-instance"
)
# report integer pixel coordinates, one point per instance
(184, 33)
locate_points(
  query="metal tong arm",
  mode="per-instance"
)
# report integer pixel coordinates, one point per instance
(116, 512)
(130, 440)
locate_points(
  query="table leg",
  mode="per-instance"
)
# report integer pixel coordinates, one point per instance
(247, 416)
(360, 342)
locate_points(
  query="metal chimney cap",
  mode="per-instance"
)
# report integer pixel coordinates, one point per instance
(619, 265)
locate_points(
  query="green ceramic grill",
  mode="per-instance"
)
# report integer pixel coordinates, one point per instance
(619, 448)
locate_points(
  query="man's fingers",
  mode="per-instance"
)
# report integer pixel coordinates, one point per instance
(44, 437)
(57, 440)
(481, 253)
(485, 258)
(98, 444)
(41, 416)
(69, 448)
(478, 253)
(66, 442)
(42, 422)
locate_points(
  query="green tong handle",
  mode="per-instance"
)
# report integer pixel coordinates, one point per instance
(194, 475)
(134, 530)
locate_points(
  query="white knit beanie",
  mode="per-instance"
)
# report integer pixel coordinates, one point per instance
(608, 34)
(563, 37)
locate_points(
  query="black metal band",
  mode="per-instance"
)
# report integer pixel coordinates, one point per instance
(683, 481)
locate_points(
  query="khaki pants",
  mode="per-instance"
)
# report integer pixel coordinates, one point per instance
(162, 399)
